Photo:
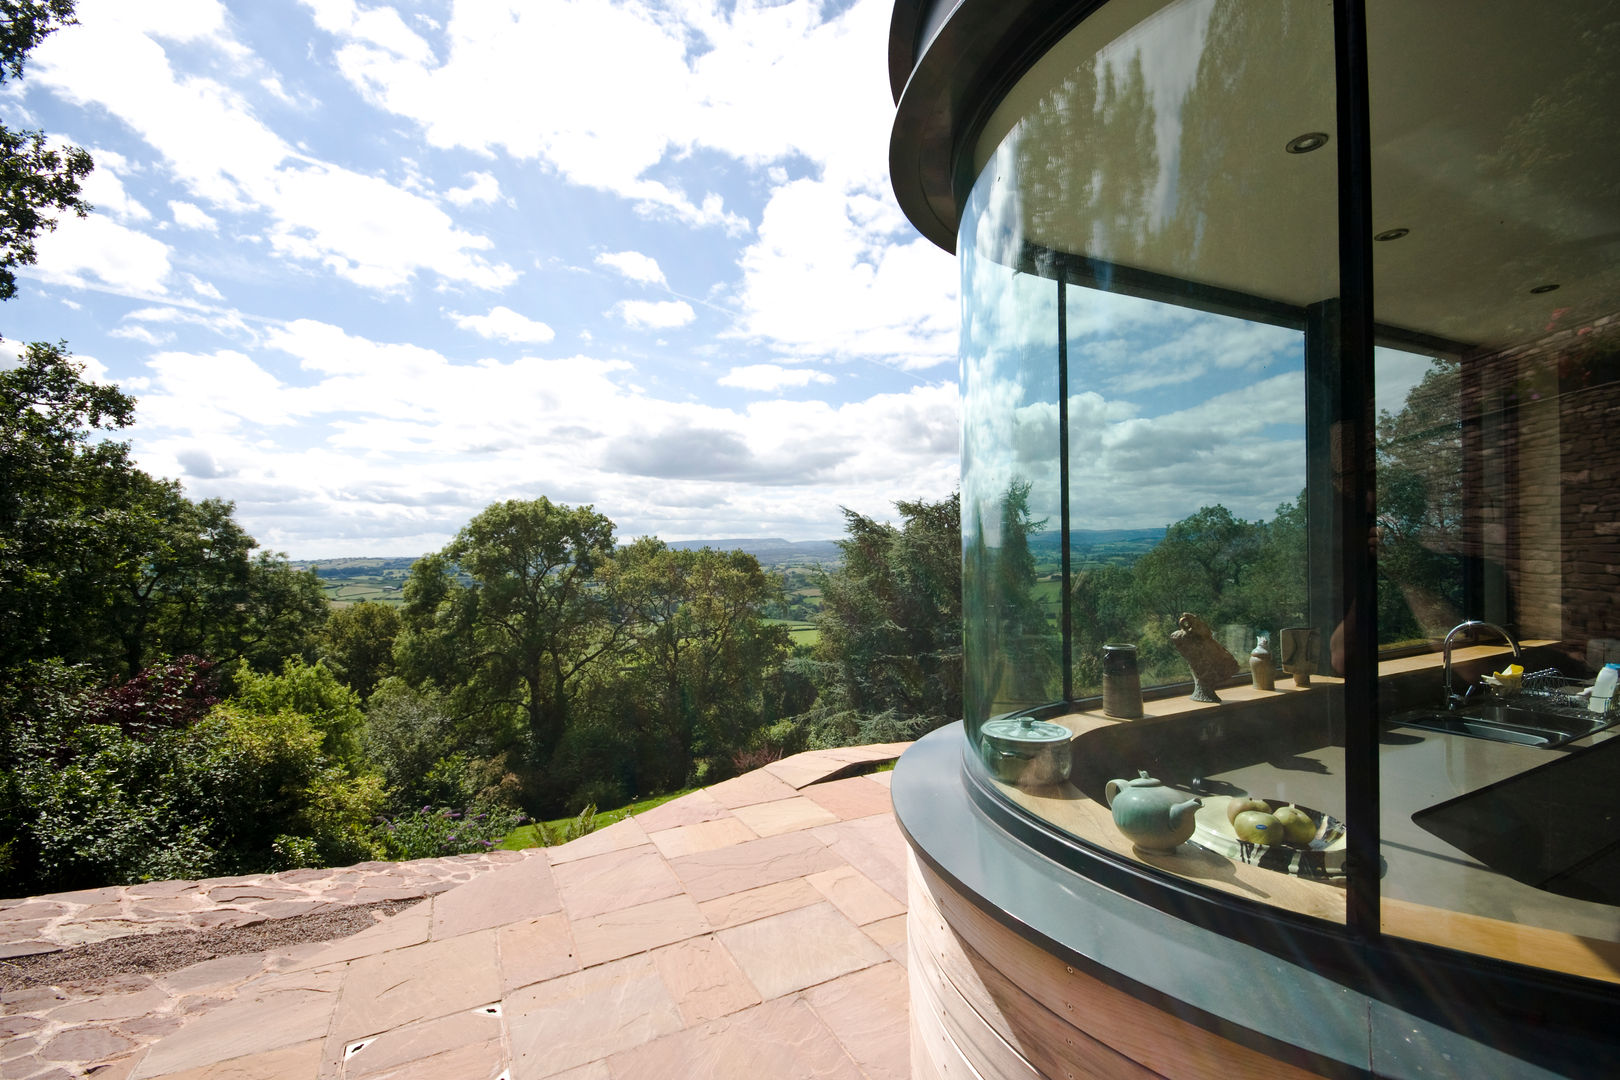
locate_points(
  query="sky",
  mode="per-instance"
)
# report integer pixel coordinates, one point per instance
(368, 267)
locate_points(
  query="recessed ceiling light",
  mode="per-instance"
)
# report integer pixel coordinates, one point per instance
(1391, 234)
(1304, 144)
(1539, 289)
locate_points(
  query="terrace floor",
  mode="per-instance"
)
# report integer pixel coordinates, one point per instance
(752, 929)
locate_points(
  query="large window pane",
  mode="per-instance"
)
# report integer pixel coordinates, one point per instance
(1497, 193)
(1155, 220)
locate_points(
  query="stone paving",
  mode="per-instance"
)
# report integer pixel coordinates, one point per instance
(753, 929)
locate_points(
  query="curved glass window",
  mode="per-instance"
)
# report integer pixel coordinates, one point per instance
(1156, 477)
(1496, 200)
(1149, 269)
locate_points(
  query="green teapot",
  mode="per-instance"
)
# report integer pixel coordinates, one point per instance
(1152, 816)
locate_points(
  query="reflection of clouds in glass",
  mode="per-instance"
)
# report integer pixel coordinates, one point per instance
(1136, 344)
(1138, 472)
(1395, 374)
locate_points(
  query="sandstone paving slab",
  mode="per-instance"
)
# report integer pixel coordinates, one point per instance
(799, 948)
(874, 846)
(704, 980)
(815, 766)
(521, 891)
(712, 874)
(751, 904)
(391, 989)
(400, 930)
(890, 934)
(27, 948)
(214, 974)
(388, 1052)
(627, 833)
(105, 1007)
(870, 1013)
(272, 1014)
(286, 1063)
(86, 1044)
(686, 810)
(617, 879)
(481, 1061)
(701, 836)
(856, 797)
(576, 1019)
(783, 1040)
(625, 931)
(856, 895)
(784, 815)
(536, 950)
(884, 778)
(750, 788)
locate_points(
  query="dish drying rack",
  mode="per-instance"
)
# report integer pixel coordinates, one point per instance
(1551, 688)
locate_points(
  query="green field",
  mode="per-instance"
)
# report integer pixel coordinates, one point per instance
(527, 836)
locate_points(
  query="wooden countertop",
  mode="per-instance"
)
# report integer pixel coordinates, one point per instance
(1431, 891)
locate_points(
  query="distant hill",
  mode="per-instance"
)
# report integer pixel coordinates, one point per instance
(1106, 545)
(771, 551)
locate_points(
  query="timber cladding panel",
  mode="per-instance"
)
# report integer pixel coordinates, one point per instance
(987, 1003)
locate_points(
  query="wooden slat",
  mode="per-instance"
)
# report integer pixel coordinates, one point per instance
(1518, 943)
(990, 1056)
(1147, 1035)
(933, 1054)
(978, 998)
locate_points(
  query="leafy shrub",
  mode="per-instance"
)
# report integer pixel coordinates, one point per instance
(435, 831)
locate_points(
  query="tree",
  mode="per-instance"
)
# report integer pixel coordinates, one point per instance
(511, 614)
(357, 643)
(699, 654)
(889, 659)
(35, 178)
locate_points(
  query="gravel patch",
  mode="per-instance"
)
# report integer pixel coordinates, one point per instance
(156, 954)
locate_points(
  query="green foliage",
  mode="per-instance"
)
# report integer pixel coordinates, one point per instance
(357, 644)
(436, 831)
(312, 691)
(508, 618)
(35, 178)
(102, 565)
(889, 660)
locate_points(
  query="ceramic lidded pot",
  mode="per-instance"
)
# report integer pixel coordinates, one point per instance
(1025, 751)
(1152, 816)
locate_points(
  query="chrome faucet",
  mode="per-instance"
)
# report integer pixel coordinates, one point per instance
(1453, 700)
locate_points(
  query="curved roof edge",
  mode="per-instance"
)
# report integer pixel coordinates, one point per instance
(950, 62)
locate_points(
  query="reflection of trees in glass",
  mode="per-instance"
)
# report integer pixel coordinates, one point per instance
(1420, 565)
(1088, 163)
(1253, 54)
(1014, 661)
(1218, 566)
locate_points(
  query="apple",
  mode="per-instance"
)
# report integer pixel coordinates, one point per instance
(1297, 825)
(1236, 806)
(1258, 827)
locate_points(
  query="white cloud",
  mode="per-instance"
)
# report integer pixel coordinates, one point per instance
(509, 65)
(768, 377)
(203, 288)
(381, 27)
(191, 216)
(836, 273)
(360, 227)
(469, 434)
(483, 188)
(97, 250)
(141, 334)
(654, 314)
(104, 190)
(504, 324)
(633, 265)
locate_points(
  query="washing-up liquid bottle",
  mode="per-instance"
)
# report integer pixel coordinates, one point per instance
(1603, 690)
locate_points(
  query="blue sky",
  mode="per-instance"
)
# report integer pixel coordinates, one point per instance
(371, 266)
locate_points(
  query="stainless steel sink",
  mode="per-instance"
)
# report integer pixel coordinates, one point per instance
(1502, 722)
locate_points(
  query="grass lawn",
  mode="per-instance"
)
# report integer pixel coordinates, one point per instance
(527, 836)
